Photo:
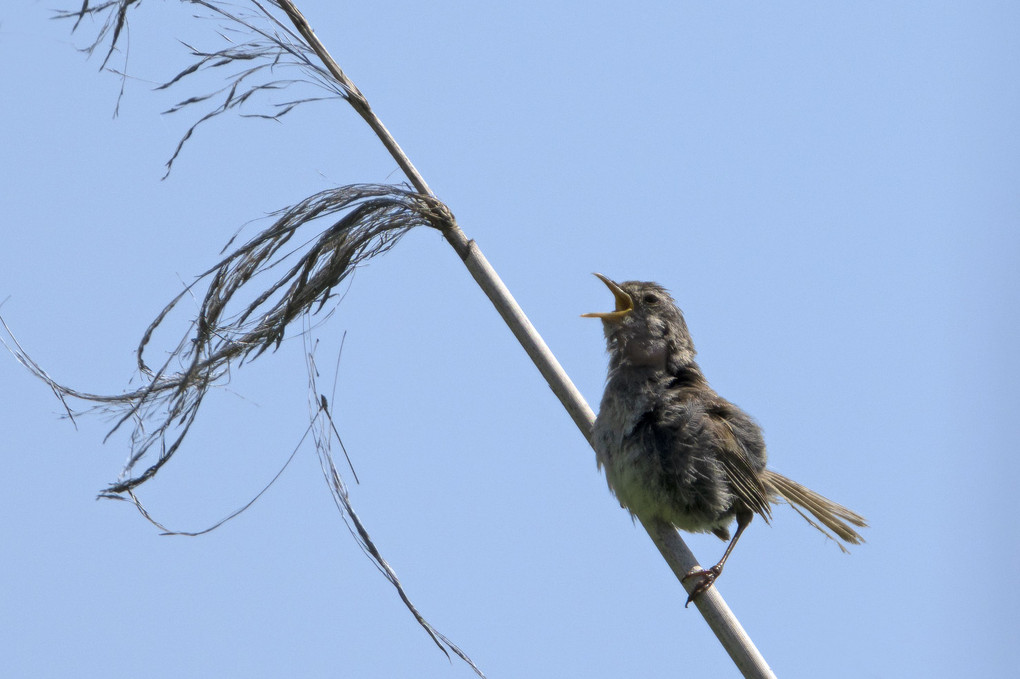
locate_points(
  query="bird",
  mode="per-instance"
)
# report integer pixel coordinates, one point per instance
(674, 449)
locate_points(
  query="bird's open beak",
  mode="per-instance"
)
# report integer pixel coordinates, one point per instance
(624, 303)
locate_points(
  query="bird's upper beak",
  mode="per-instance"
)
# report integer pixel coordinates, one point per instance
(624, 303)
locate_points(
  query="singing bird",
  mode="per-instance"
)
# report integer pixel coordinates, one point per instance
(672, 448)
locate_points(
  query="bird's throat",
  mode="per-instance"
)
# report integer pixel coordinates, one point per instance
(650, 354)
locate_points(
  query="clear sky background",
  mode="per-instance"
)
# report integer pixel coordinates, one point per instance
(831, 191)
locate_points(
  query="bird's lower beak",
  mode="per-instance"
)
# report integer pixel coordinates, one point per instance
(624, 303)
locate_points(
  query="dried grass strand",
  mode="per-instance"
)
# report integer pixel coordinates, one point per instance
(261, 50)
(323, 433)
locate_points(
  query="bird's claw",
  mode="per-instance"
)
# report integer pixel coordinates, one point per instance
(706, 579)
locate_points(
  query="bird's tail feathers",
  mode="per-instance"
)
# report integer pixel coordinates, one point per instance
(831, 515)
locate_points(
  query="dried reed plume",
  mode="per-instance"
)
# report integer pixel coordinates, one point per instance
(288, 276)
(368, 221)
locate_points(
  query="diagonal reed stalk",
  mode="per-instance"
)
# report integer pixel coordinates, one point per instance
(377, 217)
(673, 549)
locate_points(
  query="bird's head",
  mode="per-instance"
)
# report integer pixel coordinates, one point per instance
(647, 328)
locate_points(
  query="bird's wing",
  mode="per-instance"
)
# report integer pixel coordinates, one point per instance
(745, 481)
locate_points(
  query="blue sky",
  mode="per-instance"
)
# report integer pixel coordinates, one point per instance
(830, 191)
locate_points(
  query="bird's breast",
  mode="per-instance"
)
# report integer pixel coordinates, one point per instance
(653, 474)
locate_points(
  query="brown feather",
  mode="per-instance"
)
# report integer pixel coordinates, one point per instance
(744, 481)
(832, 515)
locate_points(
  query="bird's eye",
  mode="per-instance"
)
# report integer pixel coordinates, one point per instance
(650, 299)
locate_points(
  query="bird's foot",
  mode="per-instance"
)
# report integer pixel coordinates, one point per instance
(705, 580)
